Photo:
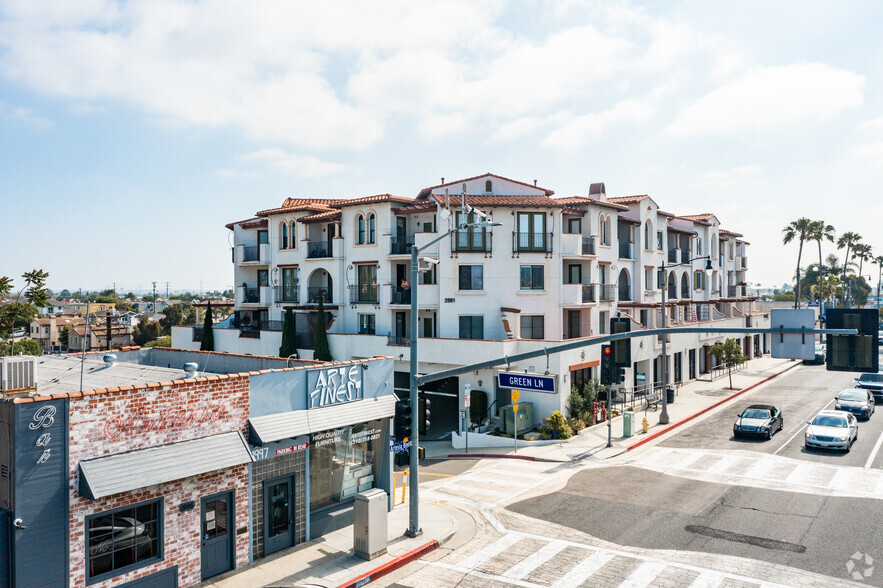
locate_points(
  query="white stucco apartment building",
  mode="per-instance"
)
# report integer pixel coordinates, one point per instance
(555, 269)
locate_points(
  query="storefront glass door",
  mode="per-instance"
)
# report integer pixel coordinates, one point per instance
(278, 514)
(217, 534)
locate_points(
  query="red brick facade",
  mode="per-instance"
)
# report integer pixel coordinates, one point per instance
(137, 417)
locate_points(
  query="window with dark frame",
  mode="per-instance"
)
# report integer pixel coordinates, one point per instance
(532, 327)
(575, 225)
(263, 278)
(360, 221)
(472, 327)
(471, 277)
(372, 221)
(263, 237)
(531, 231)
(366, 324)
(531, 277)
(470, 238)
(123, 539)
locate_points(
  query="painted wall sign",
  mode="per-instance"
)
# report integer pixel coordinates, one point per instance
(332, 386)
(526, 382)
(140, 422)
(292, 448)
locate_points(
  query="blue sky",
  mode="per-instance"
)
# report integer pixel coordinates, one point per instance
(131, 132)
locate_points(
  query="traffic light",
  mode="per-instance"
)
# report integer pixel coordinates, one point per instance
(620, 375)
(608, 367)
(853, 353)
(423, 412)
(402, 421)
(622, 349)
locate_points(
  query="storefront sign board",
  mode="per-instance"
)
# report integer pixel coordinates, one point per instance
(327, 387)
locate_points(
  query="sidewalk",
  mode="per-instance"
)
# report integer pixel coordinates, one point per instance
(329, 561)
(693, 399)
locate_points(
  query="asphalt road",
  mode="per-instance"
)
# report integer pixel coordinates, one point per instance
(432, 470)
(799, 395)
(642, 508)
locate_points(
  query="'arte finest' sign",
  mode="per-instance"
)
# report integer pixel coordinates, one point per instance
(332, 386)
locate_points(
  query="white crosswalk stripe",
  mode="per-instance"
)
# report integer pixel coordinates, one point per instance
(707, 579)
(535, 560)
(492, 550)
(645, 574)
(584, 570)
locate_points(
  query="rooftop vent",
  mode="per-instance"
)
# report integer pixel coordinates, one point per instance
(598, 191)
(17, 374)
(110, 359)
(191, 369)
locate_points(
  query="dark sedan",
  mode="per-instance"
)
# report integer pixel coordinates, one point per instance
(872, 382)
(758, 420)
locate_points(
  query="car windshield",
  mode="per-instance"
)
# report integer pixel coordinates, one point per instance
(876, 378)
(853, 396)
(829, 421)
(755, 413)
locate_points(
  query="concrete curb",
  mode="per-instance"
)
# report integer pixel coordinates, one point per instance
(391, 565)
(498, 455)
(653, 436)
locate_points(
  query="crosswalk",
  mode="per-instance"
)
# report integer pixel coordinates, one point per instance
(498, 483)
(533, 561)
(761, 470)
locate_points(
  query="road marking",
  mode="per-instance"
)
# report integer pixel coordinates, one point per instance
(492, 550)
(874, 452)
(584, 570)
(644, 575)
(707, 580)
(799, 474)
(688, 461)
(439, 475)
(535, 560)
(800, 430)
(497, 481)
(725, 464)
(840, 480)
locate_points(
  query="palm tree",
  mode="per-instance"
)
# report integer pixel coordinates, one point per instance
(863, 252)
(818, 232)
(798, 229)
(833, 264)
(847, 240)
(879, 261)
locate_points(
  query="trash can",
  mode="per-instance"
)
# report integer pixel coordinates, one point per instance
(669, 395)
(627, 420)
(370, 532)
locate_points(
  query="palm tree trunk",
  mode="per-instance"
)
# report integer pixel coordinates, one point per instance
(797, 290)
(846, 259)
(820, 283)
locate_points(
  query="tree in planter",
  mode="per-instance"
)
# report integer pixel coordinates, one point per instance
(321, 351)
(288, 347)
(730, 353)
(208, 334)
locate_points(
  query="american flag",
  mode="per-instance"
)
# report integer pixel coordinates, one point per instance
(695, 318)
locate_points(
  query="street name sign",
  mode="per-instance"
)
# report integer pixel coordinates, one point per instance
(531, 382)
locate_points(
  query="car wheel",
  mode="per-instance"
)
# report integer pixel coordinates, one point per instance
(769, 434)
(781, 424)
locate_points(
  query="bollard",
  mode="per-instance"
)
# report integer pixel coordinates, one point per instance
(645, 424)
(405, 476)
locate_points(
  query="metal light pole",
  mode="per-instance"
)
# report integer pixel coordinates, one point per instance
(414, 493)
(663, 416)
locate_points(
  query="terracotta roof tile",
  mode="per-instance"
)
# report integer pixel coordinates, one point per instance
(501, 200)
(369, 199)
(328, 215)
(416, 208)
(427, 191)
(580, 200)
(731, 233)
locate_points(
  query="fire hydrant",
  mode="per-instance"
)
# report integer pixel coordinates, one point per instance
(645, 425)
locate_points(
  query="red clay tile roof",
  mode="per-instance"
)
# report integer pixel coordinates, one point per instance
(680, 230)
(495, 200)
(313, 207)
(415, 208)
(663, 213)
(369, 199)
(734, 234)
(233, 224)
(573, 211)
(427, 191)
(702, 219)
(629, 219)
(328, 215)
(578, 200)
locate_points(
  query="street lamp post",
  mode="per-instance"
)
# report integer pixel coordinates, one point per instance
(414, 494)
(663, 416)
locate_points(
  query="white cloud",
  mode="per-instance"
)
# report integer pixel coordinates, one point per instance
(870, 152)
(305, 166)
(766, 97)
(516, 129)
(740, 177)
(872, 124)
(236, 174)
(580, 130)
(26, 116)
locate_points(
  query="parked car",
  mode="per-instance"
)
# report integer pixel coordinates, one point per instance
(758, 419)
(872, 382)
(820, 355)
(858, 401)
(831, 429)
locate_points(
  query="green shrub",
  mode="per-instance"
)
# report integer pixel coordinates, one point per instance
(556, 427)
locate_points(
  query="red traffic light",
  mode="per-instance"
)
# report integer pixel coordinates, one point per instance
(607, 350)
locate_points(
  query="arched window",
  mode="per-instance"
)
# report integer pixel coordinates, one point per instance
(685, 286)
(624, 285)
(604, 229)
(283, 235)
(371, 223)
(488, 187)
(360, 229)
(648, 235)
(672, 285)
(292, 232)
(713, 247)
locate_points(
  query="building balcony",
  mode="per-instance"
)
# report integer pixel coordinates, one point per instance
(399, 296)
(313, 295)
(319, 249)
(532, 242)
(254, 295)
(363, 294)
(674, 256)
(253, 254)
(574, 244)
(398, 341)
(475, 242)
(288, 293)
(588, 246)
(572, 294)
(741, 263)
(606, 292)
(424, 237)
(626, 250)
(401, 245)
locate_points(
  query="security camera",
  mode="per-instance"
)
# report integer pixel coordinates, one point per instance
(477, 212)
(429, 260)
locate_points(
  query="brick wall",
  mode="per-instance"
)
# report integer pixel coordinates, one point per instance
(293, 463)
(130, 418)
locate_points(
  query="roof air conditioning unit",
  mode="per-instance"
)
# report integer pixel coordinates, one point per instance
(18, 374)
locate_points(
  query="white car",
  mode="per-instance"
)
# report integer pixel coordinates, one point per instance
(831, 429)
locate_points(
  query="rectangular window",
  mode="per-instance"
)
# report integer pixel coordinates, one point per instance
(289, 284)
(428, 277)
(471, 277)
(659, 240)
(648, 278)
(532, 327)
(472, 327)
(604, 319)
(263, 237)
(575, 225)
(699, 280)
(531, 231)
(367, 276)
(660, 279)
(124, 539)
(366, 324)
(531, 277)
(574, 274)
(263, 278)
(345, 461)
(644, 316)
(470, 238)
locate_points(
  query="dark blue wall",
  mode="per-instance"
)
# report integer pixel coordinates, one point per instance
(40, 495)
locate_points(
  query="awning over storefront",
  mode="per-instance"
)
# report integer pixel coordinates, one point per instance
(275, 427)
(123, 472)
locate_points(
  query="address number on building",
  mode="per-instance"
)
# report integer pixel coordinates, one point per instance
(450, 300)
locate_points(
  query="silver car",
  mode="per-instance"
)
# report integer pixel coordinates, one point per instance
(857, 401)
(831, 429)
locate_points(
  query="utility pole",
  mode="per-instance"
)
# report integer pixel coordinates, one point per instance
(167, 290)
(154, 297)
